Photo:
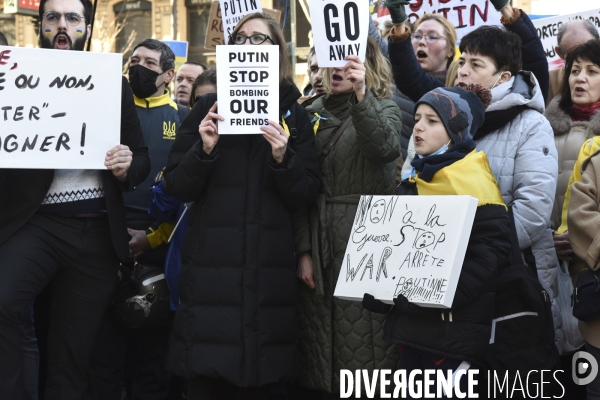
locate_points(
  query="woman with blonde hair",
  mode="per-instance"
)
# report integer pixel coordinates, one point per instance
(357, 129)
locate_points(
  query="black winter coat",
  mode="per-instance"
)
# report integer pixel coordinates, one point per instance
(23, 190)
(238, 284)
(463, 331)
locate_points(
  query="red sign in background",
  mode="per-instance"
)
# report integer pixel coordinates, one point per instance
(32, 5)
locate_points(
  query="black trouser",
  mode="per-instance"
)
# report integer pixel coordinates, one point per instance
(204, 388)
(77, 255)
(146, 348)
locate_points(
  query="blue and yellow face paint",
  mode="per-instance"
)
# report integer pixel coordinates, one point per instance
(48, 32)
(79, 32)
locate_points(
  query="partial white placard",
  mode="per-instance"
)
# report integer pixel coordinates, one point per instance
(232, 11)
(547, 30)
(58, 109)
(465, 15)
(409, 245)
(340, 28)
(247, 87)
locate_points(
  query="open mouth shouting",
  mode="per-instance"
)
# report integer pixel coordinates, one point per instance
(418, 141)
(421, 55)
(579, 91)
(62, 42)
(336, 79)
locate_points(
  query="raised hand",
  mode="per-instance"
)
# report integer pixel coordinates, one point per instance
(397, 11)
(355, 73)
(499, 4)
(209, 131)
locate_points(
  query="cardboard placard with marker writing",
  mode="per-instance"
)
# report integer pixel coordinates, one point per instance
(215, 32)
(409, 245)
(58, 109)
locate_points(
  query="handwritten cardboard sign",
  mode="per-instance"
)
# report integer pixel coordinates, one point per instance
(409, 245)
(234, 10)
(247, 87)
(340, 28)
(547, 30)
(215, 34)
(465, 15)
(58, 109)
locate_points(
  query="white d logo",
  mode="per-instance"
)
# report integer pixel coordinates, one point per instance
(591, 365)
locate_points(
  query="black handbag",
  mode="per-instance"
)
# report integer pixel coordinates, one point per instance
(586, 296)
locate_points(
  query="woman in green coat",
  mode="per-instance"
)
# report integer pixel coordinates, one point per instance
(338, 334)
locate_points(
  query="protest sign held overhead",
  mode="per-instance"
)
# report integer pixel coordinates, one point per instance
(234, 10)
(247, 87)
(215, 34)
(465, 15)
(547, 30)
(409, 245)
(340, 29)
(66, 115)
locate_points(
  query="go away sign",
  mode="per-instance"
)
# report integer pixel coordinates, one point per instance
(340, 29)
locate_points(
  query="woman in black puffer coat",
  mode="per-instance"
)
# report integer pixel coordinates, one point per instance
(236, 325)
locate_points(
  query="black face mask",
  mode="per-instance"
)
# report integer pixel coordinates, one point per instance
(142, 81)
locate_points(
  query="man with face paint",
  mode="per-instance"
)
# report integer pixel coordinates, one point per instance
(151, 69)
(66, 229)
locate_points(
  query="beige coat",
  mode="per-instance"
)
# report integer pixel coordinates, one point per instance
(584, 229)
(569, 136)
(556, 79)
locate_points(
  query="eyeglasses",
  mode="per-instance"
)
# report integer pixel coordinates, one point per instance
(73, 19)
(259, 38)
(429, 38)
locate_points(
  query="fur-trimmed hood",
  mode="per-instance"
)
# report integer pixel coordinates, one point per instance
(562, 123)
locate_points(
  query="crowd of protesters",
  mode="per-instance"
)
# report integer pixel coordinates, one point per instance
(243, 236)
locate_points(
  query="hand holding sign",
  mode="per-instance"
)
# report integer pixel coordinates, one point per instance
(499, 4)
(209, 132)
(397, 11)
(278, 139)
(118, 159)
(355, 73)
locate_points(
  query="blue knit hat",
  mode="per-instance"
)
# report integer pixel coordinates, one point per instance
(461, 108)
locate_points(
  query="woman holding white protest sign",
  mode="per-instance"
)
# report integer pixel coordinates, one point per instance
(357, 130)
(235, 331)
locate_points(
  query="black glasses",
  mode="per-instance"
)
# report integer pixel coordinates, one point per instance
(73, 19)
(429, 38)
(259, 38)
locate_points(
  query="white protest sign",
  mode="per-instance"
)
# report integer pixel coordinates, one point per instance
(340, 28)
(547, 30)
(409, 245)
(247, 87)
(234, 10)
(58, 109)
(465, 15)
